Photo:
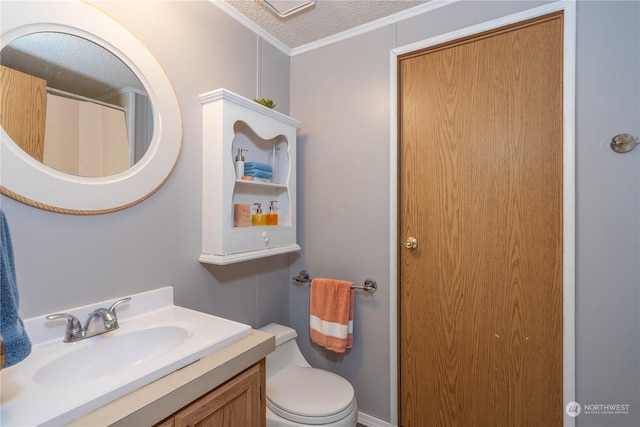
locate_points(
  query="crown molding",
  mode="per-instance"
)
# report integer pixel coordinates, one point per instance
(364, 28)
(373, 25)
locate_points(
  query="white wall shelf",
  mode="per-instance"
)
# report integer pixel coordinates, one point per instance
(230, 122)
(240, 182)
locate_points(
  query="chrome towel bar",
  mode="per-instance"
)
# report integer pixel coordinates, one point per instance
(370, 285)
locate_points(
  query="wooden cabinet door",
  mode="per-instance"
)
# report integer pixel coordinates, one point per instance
(237, 403)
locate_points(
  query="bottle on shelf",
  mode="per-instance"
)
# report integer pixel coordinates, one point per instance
(258, 218)
(240, 163)
(241, 215)
(273, 162)
(272, 216)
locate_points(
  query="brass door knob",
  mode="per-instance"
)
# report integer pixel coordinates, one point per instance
(411, 243)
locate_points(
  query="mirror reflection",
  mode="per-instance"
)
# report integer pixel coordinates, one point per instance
(72, 105)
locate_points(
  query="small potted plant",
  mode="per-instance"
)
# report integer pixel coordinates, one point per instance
(266, 102)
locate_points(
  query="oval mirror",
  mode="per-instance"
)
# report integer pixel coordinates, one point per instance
(69, 70)
(92, 115)
(89, 114)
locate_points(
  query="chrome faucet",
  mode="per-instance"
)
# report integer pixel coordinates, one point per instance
(75, 331)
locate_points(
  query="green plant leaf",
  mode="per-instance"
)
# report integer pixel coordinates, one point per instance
(266, 102)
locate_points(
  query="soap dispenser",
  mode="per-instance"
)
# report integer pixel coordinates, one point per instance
(240, 163)
(272, 216)
(258, 218)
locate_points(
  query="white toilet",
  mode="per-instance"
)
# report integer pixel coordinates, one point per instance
(299, 395)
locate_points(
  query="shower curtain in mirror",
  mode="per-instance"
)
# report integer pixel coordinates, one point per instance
(85, 139)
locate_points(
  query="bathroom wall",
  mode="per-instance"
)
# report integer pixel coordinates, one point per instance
(340, 92)
(64, 260)
(608, 206)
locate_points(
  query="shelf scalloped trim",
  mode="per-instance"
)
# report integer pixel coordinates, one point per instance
(265, 139)
(247, 256)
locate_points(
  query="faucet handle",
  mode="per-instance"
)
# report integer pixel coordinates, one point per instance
(73, 320)
(117, 303)
(74, 328)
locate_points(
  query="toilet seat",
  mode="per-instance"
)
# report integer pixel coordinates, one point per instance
(309, 395)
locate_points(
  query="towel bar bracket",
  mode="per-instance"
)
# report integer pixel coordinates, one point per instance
(302, 277)
(370, 285)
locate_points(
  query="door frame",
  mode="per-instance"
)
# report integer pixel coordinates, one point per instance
(569, 215)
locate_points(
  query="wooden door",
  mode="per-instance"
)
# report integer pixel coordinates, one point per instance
(480, 131)
(23, 110)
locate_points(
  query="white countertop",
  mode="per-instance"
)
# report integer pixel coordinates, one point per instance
(161, 358)
(154, 402)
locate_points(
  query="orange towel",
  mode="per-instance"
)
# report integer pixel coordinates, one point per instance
(331, 314)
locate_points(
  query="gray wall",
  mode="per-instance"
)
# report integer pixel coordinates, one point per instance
(340, 92)
(608, 205)
(341, 95)
(65, 261)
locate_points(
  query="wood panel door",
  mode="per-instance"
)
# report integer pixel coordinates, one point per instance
(480, 150)
(23, 110)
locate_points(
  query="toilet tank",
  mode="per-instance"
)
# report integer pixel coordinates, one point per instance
(287, 351)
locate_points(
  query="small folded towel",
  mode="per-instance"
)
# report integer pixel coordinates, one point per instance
(250, 166)
(331, 314)
(16, 341)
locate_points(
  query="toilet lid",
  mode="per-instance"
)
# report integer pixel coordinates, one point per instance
(309, 395)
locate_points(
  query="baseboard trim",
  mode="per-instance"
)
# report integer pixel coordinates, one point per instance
(369, 421)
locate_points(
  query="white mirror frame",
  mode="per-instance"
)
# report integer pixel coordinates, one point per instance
(25, 179)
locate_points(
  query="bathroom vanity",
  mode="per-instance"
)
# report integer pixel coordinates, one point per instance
(226, 384)
(162, 364)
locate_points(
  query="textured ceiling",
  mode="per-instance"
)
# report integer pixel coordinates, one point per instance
(69, 63)
(72, 64)
(324, 19)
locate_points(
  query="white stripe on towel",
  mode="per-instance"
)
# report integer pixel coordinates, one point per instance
(333, 329)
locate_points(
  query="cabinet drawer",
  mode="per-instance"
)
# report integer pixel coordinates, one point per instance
(257, 238)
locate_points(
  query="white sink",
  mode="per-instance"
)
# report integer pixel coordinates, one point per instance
(60, 382)
(113, 353)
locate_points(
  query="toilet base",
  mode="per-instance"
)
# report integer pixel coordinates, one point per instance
(274, 420)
